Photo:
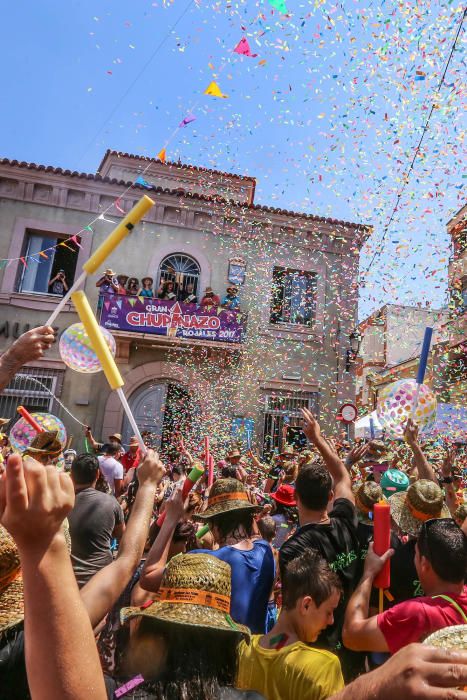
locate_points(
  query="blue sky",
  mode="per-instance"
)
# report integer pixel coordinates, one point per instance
(326, 116)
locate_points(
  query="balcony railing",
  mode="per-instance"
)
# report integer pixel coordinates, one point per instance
(171, 319)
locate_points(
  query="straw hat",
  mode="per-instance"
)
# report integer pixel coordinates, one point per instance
(11, 583)
(285, 494)
(454, 637)
(288, 451)
(235, 452)
(393, 481)
(461, 512)
(227, 495)
(195, 591)
(45, 444)
(366, 497)
(149, 279)
(209, 290)
(116, 437)
(4, 421)
(109, 272)
(134, 440)
(378, 452)
(423, 500)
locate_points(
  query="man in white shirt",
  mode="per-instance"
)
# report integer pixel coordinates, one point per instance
(111, 468)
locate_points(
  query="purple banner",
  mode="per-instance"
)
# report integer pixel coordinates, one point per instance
(171, 318)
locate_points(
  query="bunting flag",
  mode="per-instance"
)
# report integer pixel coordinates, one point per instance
(24, 262)
(131, 301)
(187, 120)
(213, 89)
(279, 5)
(141, 181)
(162, 155)
(243, 48)
(118, 207)
(75, 241)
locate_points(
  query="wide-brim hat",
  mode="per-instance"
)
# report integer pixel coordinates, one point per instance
(116, 437)
(208, 289)
(109, 272)
(423, 500)
(11, 580)
(232, 289)
(285, 494)
(378, 452)
(288, 451)
(195, 591)
(4, 421)
(454, 637)
(134, 440)
(367, 496)
(147, 279)
(45, 444)
(123, 277)
(227, 495)
(232, 454)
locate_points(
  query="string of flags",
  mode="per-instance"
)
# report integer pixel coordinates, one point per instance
(213, 90)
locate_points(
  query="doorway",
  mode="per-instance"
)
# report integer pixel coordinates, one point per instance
(161, 410)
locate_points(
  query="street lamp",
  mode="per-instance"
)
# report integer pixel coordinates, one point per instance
(355, 339)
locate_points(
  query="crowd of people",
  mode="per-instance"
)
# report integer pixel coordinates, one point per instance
(114, 582)
(112, 283)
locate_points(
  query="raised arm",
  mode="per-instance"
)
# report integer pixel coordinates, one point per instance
(29, 347)
(449, 490)
(156, 560)
(62, 662)
(334, 464)
(425, 470)
(105, 587)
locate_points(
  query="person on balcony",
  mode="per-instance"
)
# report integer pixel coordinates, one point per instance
(167, 291)
(189, 296)
(108, 283)
(209, 298)
(231, 300)
(132, 286)
(122, 280)
(146, 289)
(58, 284)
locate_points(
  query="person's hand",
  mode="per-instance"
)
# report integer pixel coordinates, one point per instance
(374, 563)
(267, 508)
(448, 463)
(30, 346)
(411, 433)
(152, 471)
(356, 454)
(34, 501)
(175, 507)
(311, 426)
(419, 672)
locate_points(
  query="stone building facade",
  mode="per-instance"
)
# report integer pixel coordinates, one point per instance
(297, 276)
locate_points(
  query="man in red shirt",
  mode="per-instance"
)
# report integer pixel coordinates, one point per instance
(134, 456)
(441, 564)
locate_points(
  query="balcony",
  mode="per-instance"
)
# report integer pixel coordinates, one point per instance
(171, 323)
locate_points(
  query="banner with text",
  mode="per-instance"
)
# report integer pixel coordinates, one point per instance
(171, 318)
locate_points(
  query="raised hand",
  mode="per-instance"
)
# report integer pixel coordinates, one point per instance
(152, 470)
(311, 426)
(411, 433)
(357, 453)
(34, 501)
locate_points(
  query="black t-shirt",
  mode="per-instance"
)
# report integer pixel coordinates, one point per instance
(92, 522)
(404, 578)
(13, 679)
(338, 543)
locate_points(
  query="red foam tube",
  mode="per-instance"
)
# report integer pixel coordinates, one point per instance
(382, 541)
(29, 419)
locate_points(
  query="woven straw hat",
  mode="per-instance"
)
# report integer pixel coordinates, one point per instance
(11, 583)
(45, 444)
(227, 495)
(288, 451)
(454, 637)
(235, 452)
(366, 497)
(195, 591)
(422, 501)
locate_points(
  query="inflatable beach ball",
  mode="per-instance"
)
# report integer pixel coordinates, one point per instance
(76, 351)
(22, 434)
(395, 406)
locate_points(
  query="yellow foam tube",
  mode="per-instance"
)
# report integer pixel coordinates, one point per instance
(118, 234)
(96, 338)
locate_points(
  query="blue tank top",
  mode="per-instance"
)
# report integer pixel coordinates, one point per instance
(252, 579)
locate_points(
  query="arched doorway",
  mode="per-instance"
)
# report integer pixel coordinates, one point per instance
(161, 409)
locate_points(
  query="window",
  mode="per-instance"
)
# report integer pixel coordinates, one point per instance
(45, 258)
(183, 271)
(283, 419)
(34, 388)
(293, 296)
